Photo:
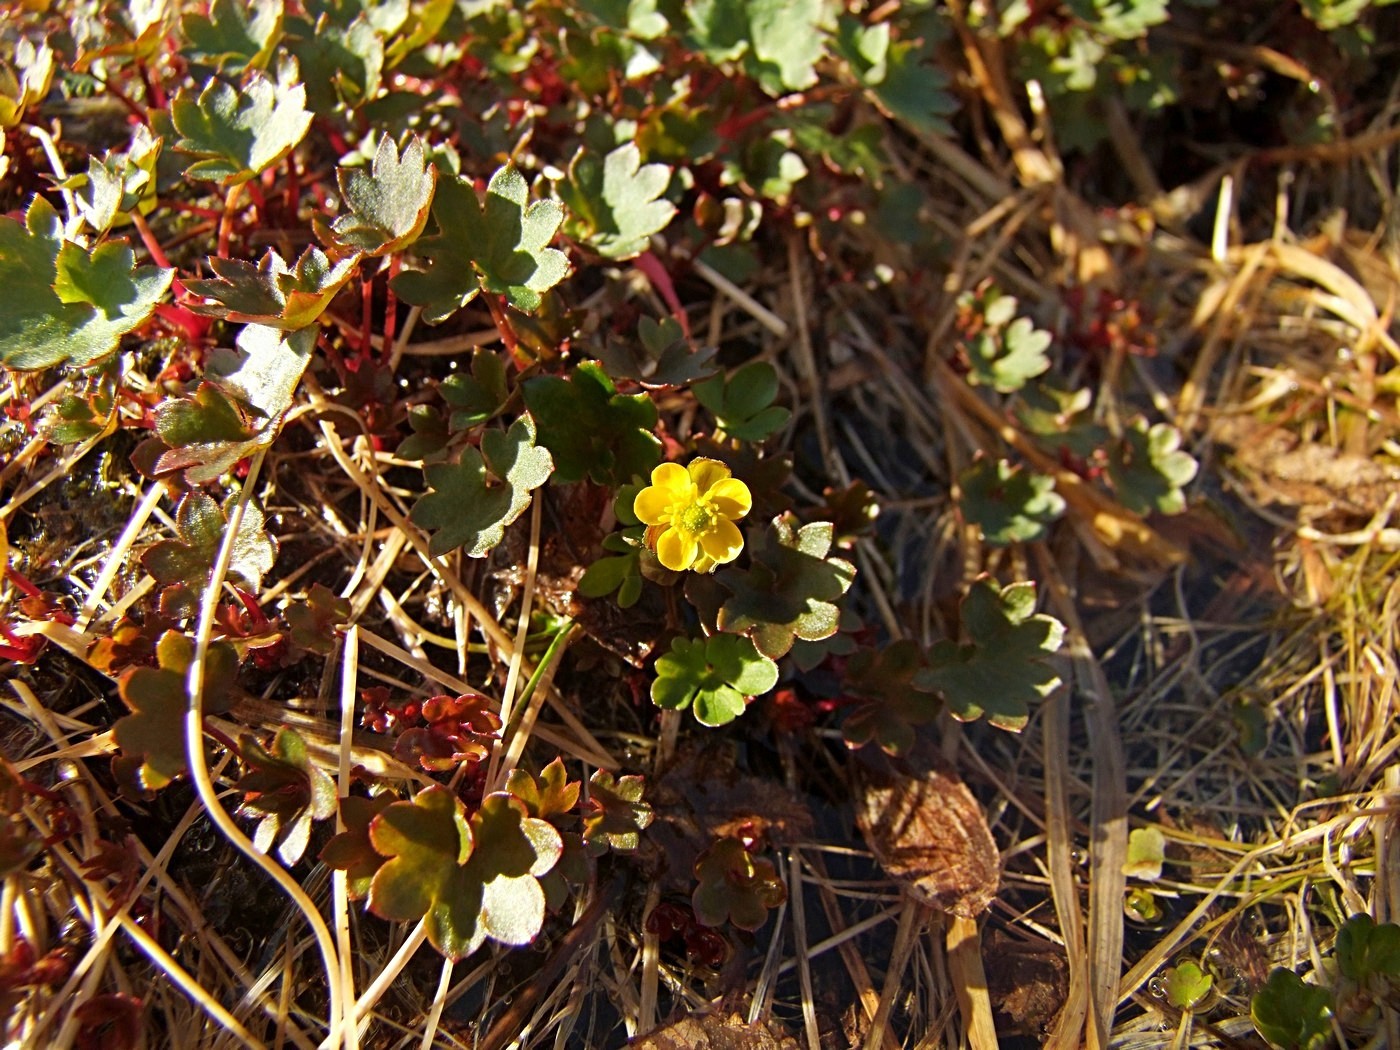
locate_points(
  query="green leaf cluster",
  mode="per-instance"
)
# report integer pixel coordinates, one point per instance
(735, 886)
(1149, 469)
(659, 357)
(1005, 351)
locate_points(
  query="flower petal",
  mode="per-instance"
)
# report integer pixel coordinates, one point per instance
(731, 498)
(674, 478)
(706, 473)
(676, 550)
(652, 504)
(722, 541)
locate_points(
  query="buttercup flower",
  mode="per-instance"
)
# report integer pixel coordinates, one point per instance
(690, 513)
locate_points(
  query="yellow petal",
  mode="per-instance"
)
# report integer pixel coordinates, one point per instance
(651, 505)
(676, 550)
(731, 498)
(706, 473)
(675, 479)
(723, 541)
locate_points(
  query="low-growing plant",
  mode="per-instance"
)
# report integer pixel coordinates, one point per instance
(243, 265)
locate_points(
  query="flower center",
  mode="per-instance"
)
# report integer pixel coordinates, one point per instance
(696, 518)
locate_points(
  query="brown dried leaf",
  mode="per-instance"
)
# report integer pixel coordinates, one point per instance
(712, 1032)
(926, 830)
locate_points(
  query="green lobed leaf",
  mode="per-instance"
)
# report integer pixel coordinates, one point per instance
(1149, 470)
(716, 675)
(480, 396)
(207, 435)
(118, 183)
(388, 204)
(514, 851)
(1002, 667)
(351, 851)
(1367, 949)
(1008, 504)
(64, 304)
(239, 134)
(914, 89)
(615, 815)
(265, 370)
(474, 499)
(154, 732)
(743, 401)
(182, 565)
(790, 589)
(342, 63)
(311, 624)
(428, 841)
(892, 700)
(1005, 353)
(235, 35)
(735, 886)
(498, 246)
(1291, 1014)
(1187, 985)
(619, 202)
(272, 293)
(552, 795)
(287, 789)
(659, 357)
(591, 429)
(621, 573)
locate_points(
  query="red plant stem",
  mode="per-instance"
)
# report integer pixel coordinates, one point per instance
(22, 582)
(292, 195)
(503, 325)
(148, 238)
(155, 93)
(222, 737)
(226, 221)
(256, 192)
(367, 315)
(332, 353)
(194, 209)
(655, 272)
(131, 107)
(391, 307)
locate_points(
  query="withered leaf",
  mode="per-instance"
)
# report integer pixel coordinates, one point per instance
(926, 830)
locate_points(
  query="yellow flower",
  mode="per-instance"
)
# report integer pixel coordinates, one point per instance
(691, 513)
